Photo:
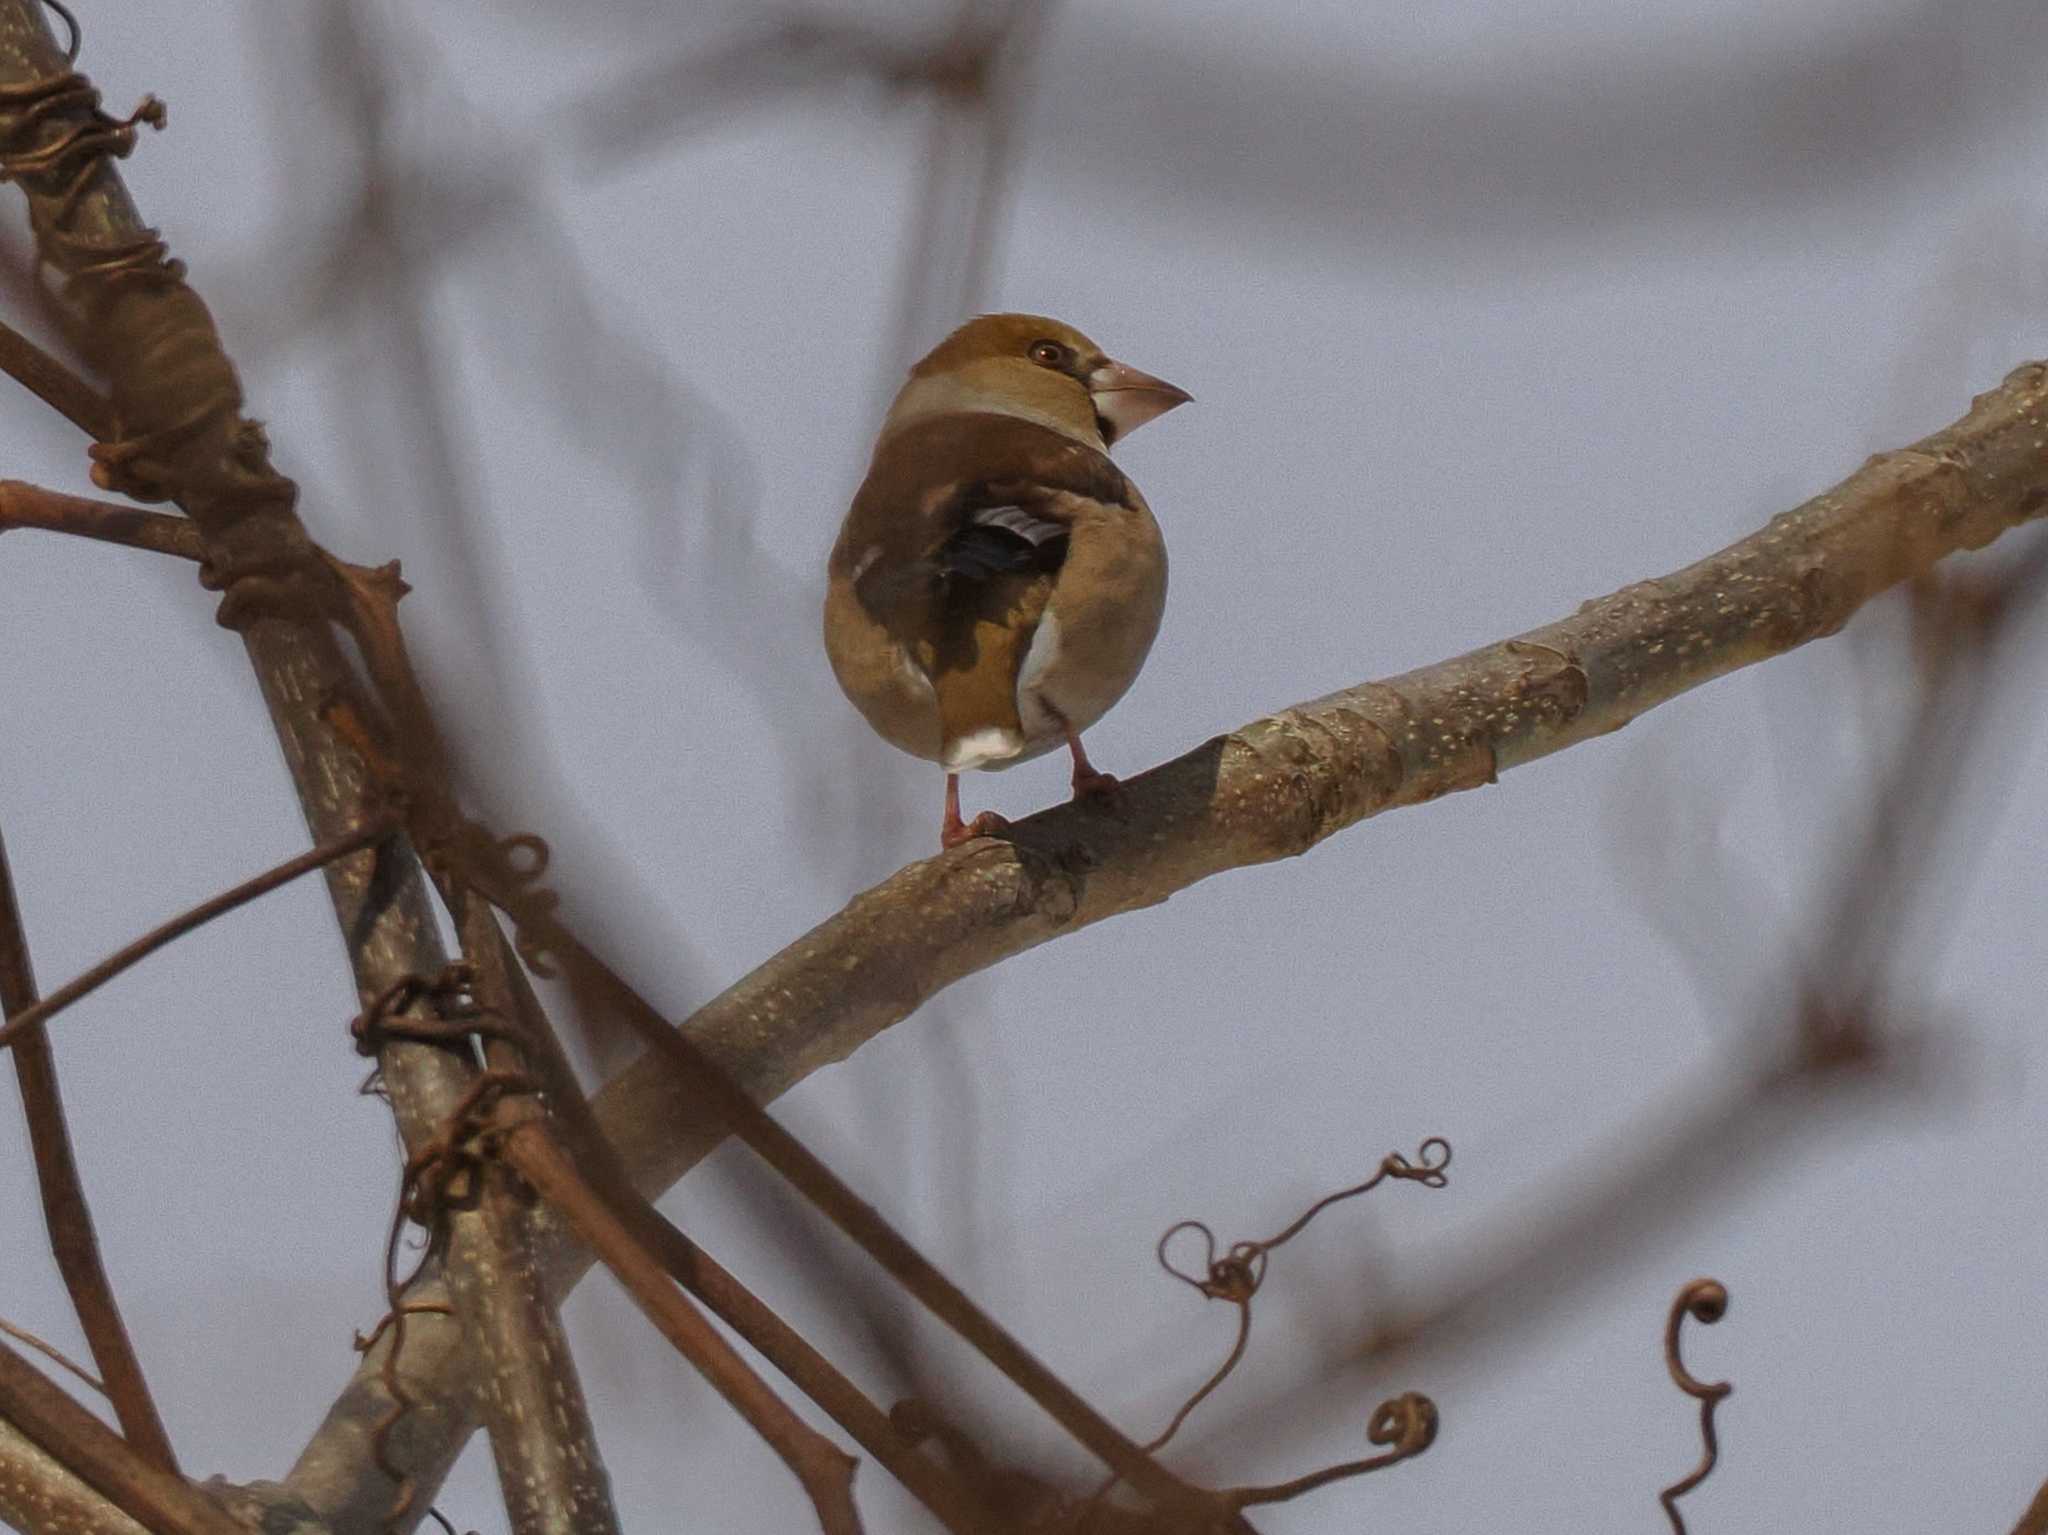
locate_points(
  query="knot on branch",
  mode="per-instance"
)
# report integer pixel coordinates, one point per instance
(142, 465)
(53, 136)
(175, 431)
(79, 129)
(455, 1015)
(446, 1171)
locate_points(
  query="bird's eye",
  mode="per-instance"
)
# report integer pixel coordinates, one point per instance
(1048, 354)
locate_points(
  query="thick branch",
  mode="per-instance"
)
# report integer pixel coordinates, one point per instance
(38, 1494)
(101, 1458)
(1280, 785)
(73, 1242)
(176, 401)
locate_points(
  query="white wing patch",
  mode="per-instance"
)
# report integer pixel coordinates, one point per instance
(1029, 526)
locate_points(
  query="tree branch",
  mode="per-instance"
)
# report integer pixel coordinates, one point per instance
(30, 506)
(31, 1019)
(824, 1470)
(183, 437)
(2035, 1520)
(54, 384)
(100, 1458)
(1280, 784)
(73, 1242)
(38, 1494)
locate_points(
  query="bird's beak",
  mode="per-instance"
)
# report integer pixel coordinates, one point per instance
(1126, 399)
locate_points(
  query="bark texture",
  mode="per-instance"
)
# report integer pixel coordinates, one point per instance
(1282, 783)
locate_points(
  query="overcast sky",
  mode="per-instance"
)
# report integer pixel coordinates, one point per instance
(1488, 308)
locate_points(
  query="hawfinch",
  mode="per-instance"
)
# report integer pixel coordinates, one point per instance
(998, 581)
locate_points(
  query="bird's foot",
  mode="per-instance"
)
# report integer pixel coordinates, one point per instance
(1091, 785)
(956, 831)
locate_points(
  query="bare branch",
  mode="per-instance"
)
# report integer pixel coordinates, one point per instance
(54, 1354)
(2035, 1520)
(54, 384)
(1279, 785)
(782, 1346)
(36, 1014)
(73, 1241)
(38, 1493)
(178, 402)
(99, 1457)
(824, 1470)
(30, 506)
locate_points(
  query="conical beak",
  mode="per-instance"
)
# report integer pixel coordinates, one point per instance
(1126, 399)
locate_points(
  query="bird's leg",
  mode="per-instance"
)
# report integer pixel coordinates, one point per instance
(953, 831)
(1088, 783)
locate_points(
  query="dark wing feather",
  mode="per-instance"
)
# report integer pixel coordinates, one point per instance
(1002, 540)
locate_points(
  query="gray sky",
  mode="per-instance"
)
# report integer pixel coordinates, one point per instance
(1488, 309)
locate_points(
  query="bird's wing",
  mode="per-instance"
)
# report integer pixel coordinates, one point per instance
(952, 547)
(998, 540)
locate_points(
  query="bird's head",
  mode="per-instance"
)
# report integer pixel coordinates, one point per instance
(1030, 366)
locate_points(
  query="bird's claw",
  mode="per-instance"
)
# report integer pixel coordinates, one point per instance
(1092, 785)
(987, 824)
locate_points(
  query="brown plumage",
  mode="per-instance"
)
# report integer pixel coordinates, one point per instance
(998, 581)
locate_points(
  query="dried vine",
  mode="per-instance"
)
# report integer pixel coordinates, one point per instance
(1706, 1302)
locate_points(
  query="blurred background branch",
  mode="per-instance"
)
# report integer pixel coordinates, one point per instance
(1128, 141)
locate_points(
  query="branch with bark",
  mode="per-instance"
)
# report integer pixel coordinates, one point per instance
(1283, 783)
(175, 431)
(170, 427)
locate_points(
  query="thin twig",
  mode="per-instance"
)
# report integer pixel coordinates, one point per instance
(19, 1024)
(55, 1355)
(55, 385)
(1237, 1276)
(805, 1367)
(99, 1457)
(73, 1241)
(1406, 1425)
(30, 506)
(711, 1094)
(824, 1470)
(1706, 1301)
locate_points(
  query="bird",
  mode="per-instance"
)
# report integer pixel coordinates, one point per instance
(997, 581)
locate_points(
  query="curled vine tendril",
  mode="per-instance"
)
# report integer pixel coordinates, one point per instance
(74, 38)
(1706, 1301)
(1406, 1425)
